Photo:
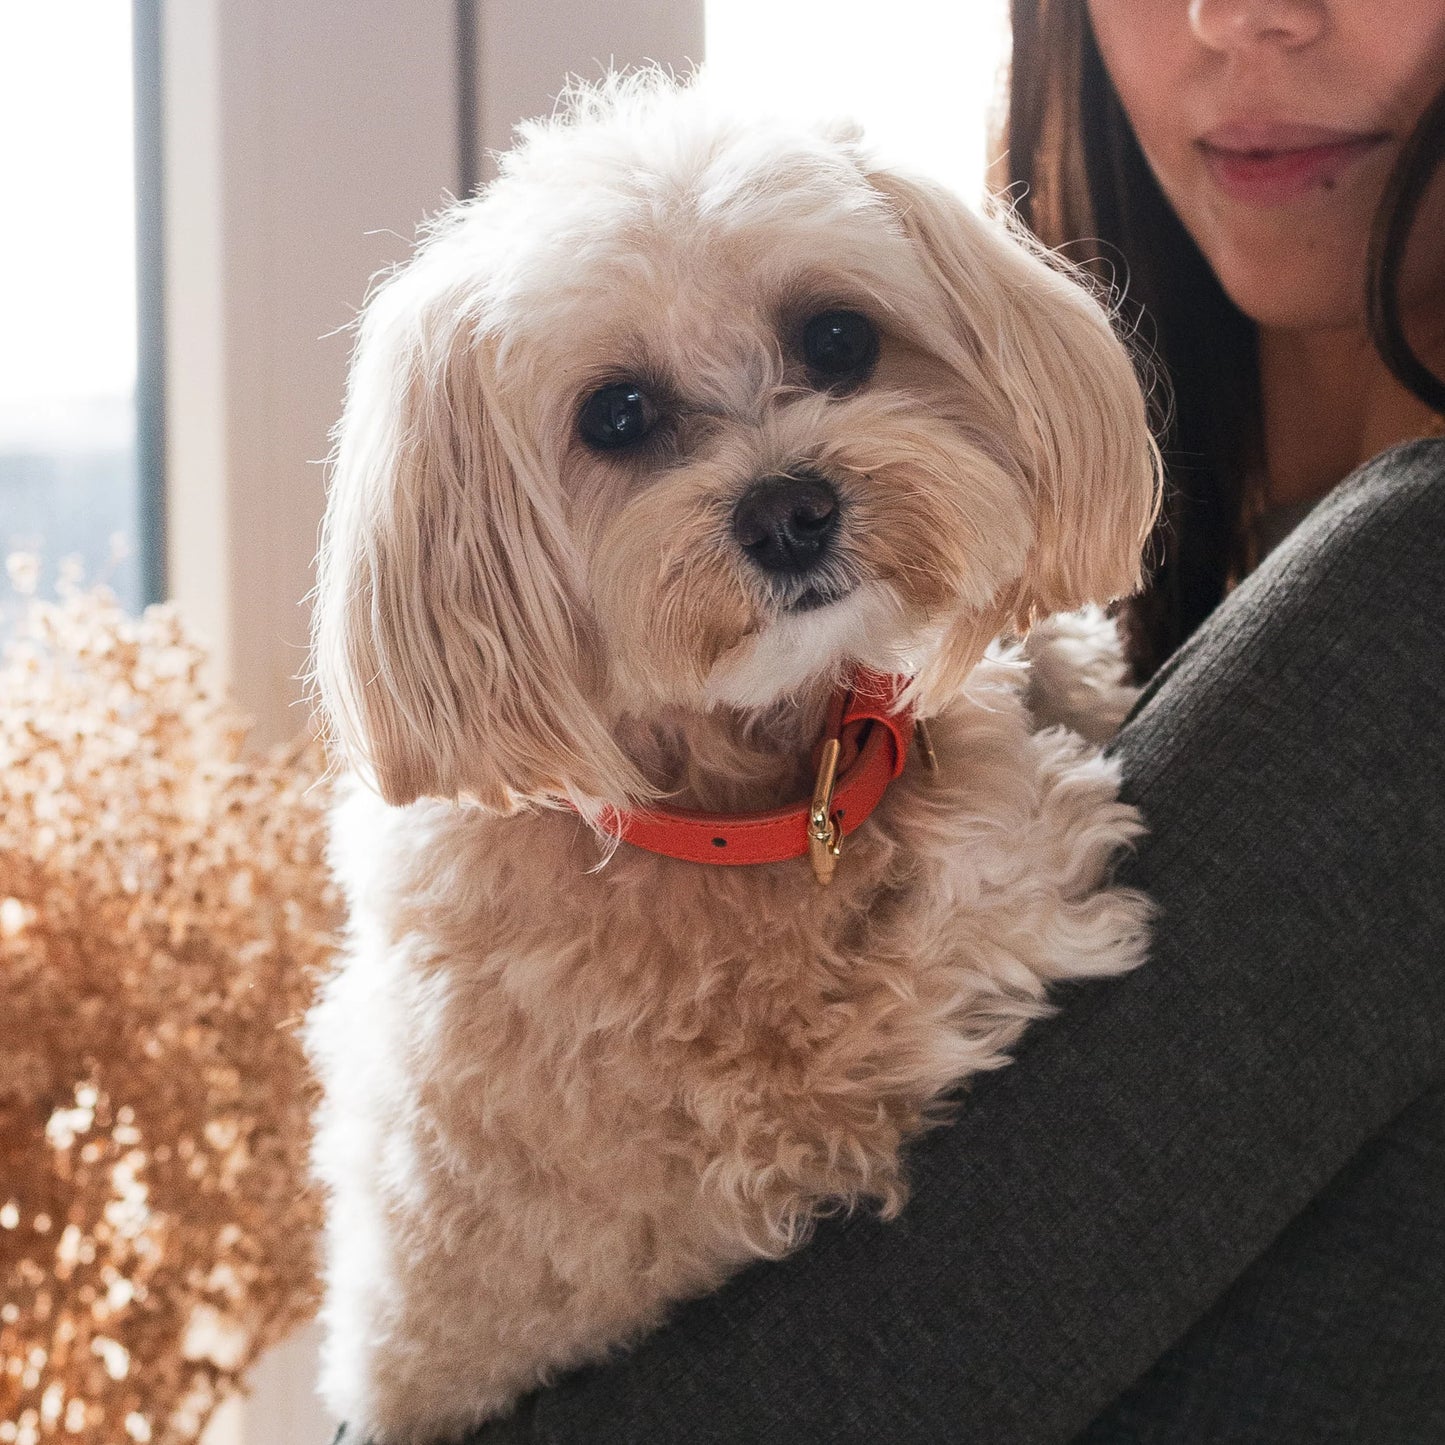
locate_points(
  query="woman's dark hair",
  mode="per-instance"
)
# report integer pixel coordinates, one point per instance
(1080, 181)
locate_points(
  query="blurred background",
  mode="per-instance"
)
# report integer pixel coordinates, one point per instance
(196, 195)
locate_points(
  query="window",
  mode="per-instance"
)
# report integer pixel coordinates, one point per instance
(70, 482)
(921, 75)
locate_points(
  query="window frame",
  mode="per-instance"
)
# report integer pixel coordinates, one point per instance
(150, 297)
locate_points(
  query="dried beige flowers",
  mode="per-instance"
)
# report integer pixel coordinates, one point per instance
(164, 916)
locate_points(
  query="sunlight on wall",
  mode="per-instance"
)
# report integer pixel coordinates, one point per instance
(921, 75)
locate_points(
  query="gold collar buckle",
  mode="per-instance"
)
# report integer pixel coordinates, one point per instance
(825, 833)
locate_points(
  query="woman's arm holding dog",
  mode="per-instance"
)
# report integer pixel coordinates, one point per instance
(1156, 1137)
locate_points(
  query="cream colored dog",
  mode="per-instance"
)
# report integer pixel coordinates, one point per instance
(690, 416)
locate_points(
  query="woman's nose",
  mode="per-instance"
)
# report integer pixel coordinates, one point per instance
(1242, 24)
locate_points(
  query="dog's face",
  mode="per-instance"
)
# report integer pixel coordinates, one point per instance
(688, 411)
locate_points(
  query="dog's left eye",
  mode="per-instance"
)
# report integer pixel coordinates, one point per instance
(617, 416)
(840, 346)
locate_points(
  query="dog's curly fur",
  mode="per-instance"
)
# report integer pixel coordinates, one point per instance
(566, 1083)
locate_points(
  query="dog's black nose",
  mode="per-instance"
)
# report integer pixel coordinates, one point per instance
(785, 523)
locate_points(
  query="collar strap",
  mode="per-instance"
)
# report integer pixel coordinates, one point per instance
(863, 748)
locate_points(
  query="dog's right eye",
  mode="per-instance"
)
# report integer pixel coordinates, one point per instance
(840, 347)
(616, 416)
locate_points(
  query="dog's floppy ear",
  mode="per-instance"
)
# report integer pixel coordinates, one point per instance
(447, 653)
(1025, 330)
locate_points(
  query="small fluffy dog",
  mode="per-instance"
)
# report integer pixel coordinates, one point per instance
(696, 441)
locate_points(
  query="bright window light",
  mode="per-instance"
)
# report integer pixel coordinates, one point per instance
(921, 75)
(67, 288)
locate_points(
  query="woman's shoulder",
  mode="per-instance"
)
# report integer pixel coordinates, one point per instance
(1423, 457)
(1398, 493)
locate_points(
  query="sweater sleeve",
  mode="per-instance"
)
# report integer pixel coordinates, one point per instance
(1154, 1139)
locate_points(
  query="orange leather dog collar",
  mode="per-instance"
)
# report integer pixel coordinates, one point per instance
(863, 749)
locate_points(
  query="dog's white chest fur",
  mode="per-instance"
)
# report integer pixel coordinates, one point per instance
(558, 1100)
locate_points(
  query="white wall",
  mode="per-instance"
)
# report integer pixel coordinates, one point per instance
(303, 144)
(525, 49)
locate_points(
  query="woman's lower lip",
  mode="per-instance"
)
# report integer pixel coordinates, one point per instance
(1275, 177)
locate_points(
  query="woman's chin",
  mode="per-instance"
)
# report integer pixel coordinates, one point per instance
(1289, 287)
